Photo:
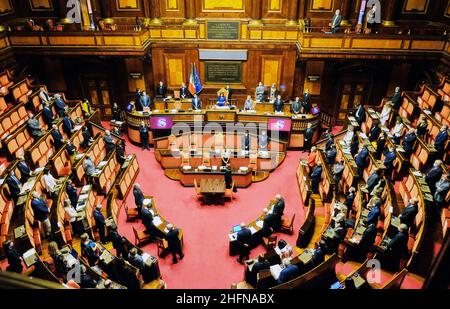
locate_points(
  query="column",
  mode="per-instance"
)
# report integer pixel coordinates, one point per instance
(389, 11)
(346, 12)
(155, 12)
(256, 13)
(189, 12)
(292, 13)
(301, 10)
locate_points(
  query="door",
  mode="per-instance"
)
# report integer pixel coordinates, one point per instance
(351, 93)
(100, 95)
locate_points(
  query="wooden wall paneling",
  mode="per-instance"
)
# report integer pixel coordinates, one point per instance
(271, 66)
(41, 5)
(447, 10)
(415, 6)
(223, 8)
(277, 9)
(314, 68)
(321, 5)
(6, 7)
(128, 8)
(135, 65)
(128, 5)
(173, 9)
(175, 67)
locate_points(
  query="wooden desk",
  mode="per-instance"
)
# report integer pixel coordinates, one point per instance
(241, 179)
(212, 190)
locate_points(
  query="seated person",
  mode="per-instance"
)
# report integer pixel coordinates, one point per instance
(288, 273)
(409, 213)
(221, 100)
(386, 114)
(361, 248)
(408, 142)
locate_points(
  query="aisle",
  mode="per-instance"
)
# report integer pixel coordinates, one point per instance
(207, 263)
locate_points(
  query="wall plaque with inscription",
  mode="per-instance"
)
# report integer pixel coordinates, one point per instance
(222, 30)
(223, 72)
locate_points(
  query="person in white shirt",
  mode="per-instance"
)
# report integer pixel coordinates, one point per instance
(50, 182)
(70, 214)
(349, 135)
(398, 130)
(386, 113)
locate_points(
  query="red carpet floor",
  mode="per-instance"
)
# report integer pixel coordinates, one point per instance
(207, 263)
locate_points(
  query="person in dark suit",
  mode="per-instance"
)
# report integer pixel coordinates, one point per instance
(289, 272)
(319, 254)
(116, 112)
(13, 256)
(147, 221)
(243, 240)
(296, 106)
(361, 160)
(137, 99)
(68, 125)
(396, 99)
(58, 139)
(278, 104)
(88, 251)
(86, 137)
(100, 223)
(374, 213)
(441, 190)
(409, 141)
(361, 249)
(269, 222)
(336, 22)
(374, 132)
(397, 247)
(196, 103)
(145, 100)
(120, 154)
(309, 133)
(14, 185)
(306, 102)
(161, 90)
(86, 281)
(230, 93)
(41, 212)
(228, 176)
(273, 92)
(330, 141)
(350, 198)
(360, 114)
(278, 207)
(72, 193)
(183, 91)
(433, 175)
(330, 155)
(60, 105)
(245, 141)
(260, 264)
(388, 162)
(136, 259)
(138, 196)
(373, 179)
(422, 127)
(118, 242)
(144, 135)
(440, 140)
(48, 115)
(380, 144)
(316, 177)
(174, 243)
(354, 144)
(70, 148)
(409, 213)
(25, 170)
(109, 142)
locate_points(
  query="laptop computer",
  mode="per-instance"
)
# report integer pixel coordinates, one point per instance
(236, 228)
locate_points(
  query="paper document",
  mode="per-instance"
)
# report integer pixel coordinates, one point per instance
(157, 221)
(275, 270)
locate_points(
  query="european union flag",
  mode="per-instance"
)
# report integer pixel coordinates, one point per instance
(197, 82)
